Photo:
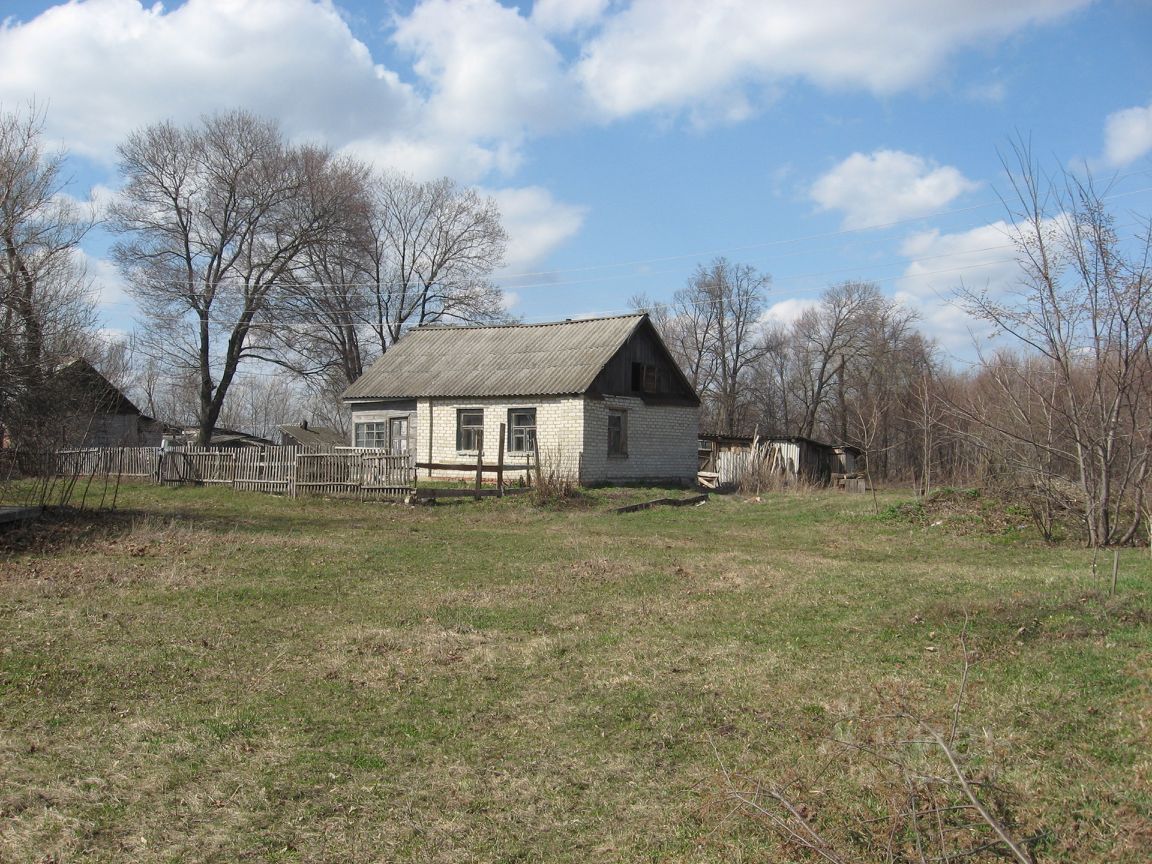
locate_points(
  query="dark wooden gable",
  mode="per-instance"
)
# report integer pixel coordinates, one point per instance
(644, 368)
(85, 389)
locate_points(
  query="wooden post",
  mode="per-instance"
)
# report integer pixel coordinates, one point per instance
(536, 459)
(500, 464)
(479, 469)
(1115, 571)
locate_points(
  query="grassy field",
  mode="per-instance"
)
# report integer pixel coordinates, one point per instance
(216, 676)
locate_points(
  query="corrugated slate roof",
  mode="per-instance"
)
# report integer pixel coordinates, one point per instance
(313, 435)
(508, 360)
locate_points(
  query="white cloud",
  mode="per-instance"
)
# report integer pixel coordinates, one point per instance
(981, 259)
(1128, 135)
(566, 16)
(669, 54)
(887, 186)
(787, 311)
(491, 73)
(105, 67)
(536, 224)
(109, 290)
(426, 156)
(993, 93)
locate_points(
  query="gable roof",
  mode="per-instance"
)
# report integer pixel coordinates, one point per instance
(554, 359)
(82, 383)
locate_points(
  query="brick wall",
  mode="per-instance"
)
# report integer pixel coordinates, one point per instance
(573, 436)
(662, 442)
(559, 429)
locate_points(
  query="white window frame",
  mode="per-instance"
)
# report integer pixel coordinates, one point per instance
(471, 431)
(375, 431)
(526, 445)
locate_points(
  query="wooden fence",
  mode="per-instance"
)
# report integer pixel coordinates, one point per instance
(293, 471)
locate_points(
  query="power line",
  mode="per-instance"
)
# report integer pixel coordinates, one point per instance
(717, 252)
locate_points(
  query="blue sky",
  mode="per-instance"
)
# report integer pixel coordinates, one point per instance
(629, 141)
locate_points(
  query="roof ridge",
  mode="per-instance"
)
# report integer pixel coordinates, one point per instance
(522, 325)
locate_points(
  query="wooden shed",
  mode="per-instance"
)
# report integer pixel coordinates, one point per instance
(726, 460)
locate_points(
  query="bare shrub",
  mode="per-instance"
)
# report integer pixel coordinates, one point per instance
(555, 481)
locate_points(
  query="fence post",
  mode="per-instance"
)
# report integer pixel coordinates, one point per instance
(479, 471)
(500, 464)
(536, 458)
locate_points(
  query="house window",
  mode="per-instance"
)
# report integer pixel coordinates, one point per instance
(398, 435)
(617, 433)
(371, 435)
(645, 378)
(521, 430)
(469, 428)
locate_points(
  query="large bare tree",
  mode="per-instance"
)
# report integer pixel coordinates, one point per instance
(408, 253)
(213, 218)
(434, 246)
(825, 339)
(713, 330)
(46, 309)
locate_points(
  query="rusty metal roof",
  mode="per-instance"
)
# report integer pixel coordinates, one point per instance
(552, 359)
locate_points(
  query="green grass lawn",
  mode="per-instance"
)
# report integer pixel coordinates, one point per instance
(216, 676)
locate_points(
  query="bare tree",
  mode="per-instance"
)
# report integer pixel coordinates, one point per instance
(212, 218)
(1083, 311)
(825, 339)
(46, 310)
(319, 323)
(260, 404)
(433, 247)
(405, 254)
(714, 331)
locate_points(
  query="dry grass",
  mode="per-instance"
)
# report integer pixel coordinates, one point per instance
(219, 677)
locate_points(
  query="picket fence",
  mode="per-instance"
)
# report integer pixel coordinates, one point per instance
(292, 471)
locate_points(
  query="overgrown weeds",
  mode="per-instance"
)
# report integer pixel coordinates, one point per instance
(894, 786)
(965, 511)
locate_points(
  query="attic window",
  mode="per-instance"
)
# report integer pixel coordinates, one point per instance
(645, 378)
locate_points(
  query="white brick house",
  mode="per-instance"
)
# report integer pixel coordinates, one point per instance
(601, 398)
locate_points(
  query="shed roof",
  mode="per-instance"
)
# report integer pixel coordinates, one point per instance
(551, 359)
(312, 436)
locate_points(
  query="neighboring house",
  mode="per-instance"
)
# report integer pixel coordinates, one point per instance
(310, 436)
(601, 397)
(97, 413)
